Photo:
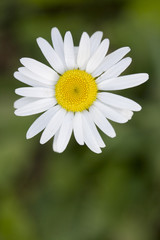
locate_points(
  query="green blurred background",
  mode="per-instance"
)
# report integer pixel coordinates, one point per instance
(78, 195)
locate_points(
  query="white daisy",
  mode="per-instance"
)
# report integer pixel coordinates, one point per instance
(74, 92)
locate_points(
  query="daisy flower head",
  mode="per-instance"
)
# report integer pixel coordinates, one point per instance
(73, 93)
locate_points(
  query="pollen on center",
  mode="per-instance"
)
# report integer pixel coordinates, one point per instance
(76, 90)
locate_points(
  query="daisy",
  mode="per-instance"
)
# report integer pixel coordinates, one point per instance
(74, 92)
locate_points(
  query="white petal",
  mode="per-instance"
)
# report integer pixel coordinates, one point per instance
(94, 129)
(41, 82)
(83, 51)
(55, 141)
(98, 56)
(102, 122)
(53, 125)
(38, 80)
(118, 101)
(69, 51)
(76, 54)
(21, 102)
(89, 137)
(64, 133)
(39, 68)
(126, 113)
(77, 128)
(39, 92)
(123, 82)
(51, 55)
(35, 107)
(40, 123)
(25, 79)
(76, 49)
(95, 41)
(110, 60)
(57, 42)
(115, 70)
(110, 112)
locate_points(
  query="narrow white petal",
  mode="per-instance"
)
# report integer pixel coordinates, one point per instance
(35, 92)
(110, 112)
(53, 125)
(94, 129)
(55, 141)
(115, 70)
(57, 42)
(126, 113)
(39, 68)
(83, 51)
(38, 80)
(89, 137)
(110, 60)
(21, 102)
(123, 82)
(51, 55)
(64, 133)
(40, 123)
(102, 122)
(95, 41)
(76, 49)
(35, 107)
(76, 54)
(25, 79)
(69, 51)
(77, 128)
(118, 101)
(98, 56)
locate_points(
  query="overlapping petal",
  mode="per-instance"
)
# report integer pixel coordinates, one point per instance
(123, 82)
(26, 74)
(102, 122)
(40, 123)
(115, 70)
(95, 41)
(98, 56)
(64, 133)
(53, 125)
(35, 107)
(83, 51)
(51, 55)
(118, 101)
(78, 128)
(36, 92)
(58, 43)
(110, 60)
(69, 52)
(89, 137)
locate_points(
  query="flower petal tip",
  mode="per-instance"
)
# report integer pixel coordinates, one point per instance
(14, 74)
(54, 29)
(98, 152)
(39, 39)
(42, 141)
(113, 135)
(129, 49)
(22, 60)
(139, 108)
(147, 76)
(15, 105)
(28, 136)
(16, 112)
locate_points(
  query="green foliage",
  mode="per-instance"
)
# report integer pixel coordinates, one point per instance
(78, 194)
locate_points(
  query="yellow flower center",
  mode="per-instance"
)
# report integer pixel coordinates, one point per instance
(76, 90)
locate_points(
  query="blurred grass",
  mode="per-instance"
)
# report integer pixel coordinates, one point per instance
(77, 194)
